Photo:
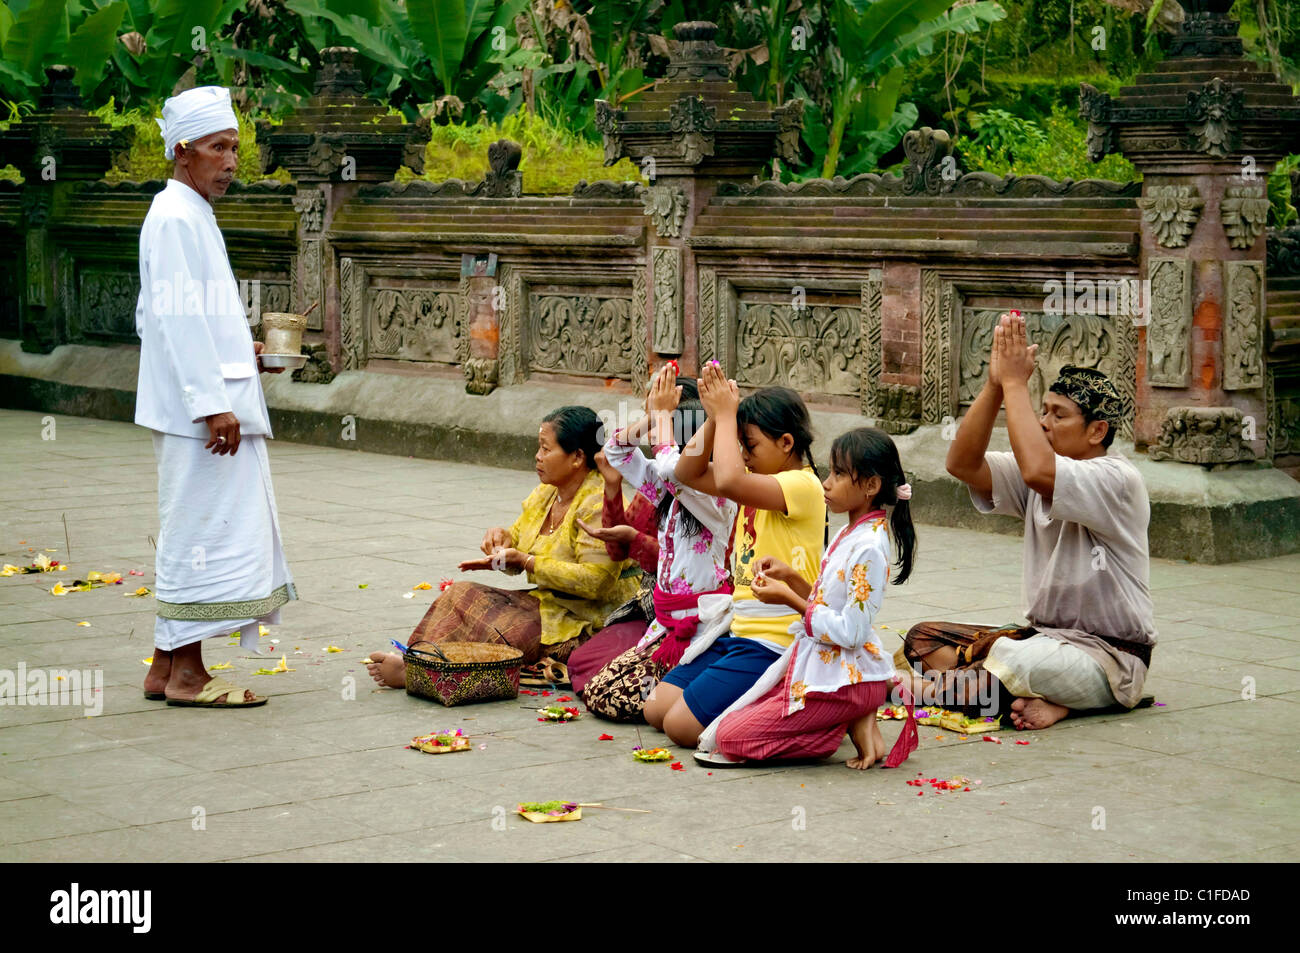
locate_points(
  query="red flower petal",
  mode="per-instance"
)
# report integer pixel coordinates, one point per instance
(1022, 742)
(605, 738)
(678, 766)
(564, 698)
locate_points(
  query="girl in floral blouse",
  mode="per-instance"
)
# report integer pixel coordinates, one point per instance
(836, 673)
(694, 527)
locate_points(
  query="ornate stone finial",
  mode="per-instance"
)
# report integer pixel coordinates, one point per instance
(310, 206)
(926, 150)
(1206, 30)
(1244, 212)
(60, 89)
(695, 54)
(504, 180)
(1094, 108)
(338, 74)
(1171, 211)
(1204, 435)
(693, 124)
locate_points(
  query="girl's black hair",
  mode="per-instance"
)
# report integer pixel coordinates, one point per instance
(778, 411)
(687, 419)
(576, 429)
(868, 452)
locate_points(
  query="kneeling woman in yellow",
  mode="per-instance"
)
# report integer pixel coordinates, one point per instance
(761, 459)
(577, 584)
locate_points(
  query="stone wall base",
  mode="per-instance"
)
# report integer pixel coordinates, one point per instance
(1205, 516)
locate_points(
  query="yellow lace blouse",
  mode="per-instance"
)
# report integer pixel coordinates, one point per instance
(578, 585)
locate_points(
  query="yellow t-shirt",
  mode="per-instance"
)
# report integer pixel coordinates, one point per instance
(794, 537)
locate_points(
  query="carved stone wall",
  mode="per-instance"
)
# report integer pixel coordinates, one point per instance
(107, 300)
(873, 362)
(409, 320)
(1204, 435)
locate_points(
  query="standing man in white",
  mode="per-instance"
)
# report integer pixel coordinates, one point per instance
(220, 565)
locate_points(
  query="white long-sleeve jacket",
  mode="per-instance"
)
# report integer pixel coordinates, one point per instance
(196, 349)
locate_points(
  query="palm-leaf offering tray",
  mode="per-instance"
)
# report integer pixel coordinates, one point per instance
(942, 718)
(652, 754)
(441, 742)
(546, 812)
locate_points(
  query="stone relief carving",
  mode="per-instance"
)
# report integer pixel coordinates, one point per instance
(1212, 114)
(815, 348)
(1169, 331)
(1244, 211)
(934, 379)
(1085, 340)
(1204, 435)
(317, 370)
(640, 375)
(872, 364)
(36, 268)
(1283, 248)
(608, 123)
(350, 336)
(900, 408)
(582, 334)
(511, 357)
(666, 206)
(668, 330)
(1171, 211)
(480, 375)
(108, 300)
(929, 169)
(707, 297)
(310, 206)
(313, 290)
(413, 324)
(1243, 338)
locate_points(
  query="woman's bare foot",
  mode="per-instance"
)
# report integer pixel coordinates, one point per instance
(1030, 713)
(160, 670)
(866, 737)
(388, 669)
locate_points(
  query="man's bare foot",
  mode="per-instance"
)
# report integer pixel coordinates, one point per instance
(866, 737)
(1031, 713)
(388, 669)
(160, 670)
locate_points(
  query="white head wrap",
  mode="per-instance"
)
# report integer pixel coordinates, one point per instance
(194, 114)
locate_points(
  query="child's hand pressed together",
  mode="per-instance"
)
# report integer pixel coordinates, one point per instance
(720, 397)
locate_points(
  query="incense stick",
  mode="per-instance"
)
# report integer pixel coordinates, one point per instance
(66, 541)
(626, 810)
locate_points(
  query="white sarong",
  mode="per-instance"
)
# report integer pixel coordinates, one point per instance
(219, 565)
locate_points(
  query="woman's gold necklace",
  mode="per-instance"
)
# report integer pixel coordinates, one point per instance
(550, 516)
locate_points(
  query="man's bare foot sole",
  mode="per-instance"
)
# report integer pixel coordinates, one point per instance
(1035, 713)
(387, 669)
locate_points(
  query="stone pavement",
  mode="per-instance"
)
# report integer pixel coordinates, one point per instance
(321, 774)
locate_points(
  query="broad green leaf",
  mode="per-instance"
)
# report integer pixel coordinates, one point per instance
(179, 26)
(370, 41)
(34, 35)
(881, 101)
(366, 9)
(91, 45)
(6, 21)
(442, 30)
(254, 58)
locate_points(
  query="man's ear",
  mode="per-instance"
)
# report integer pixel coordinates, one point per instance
(1097, 431)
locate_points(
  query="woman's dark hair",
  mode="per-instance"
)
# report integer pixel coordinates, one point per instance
(868, 452)
(575, 429)
(687, 419)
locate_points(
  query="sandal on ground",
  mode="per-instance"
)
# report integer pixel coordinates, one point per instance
(209, 693)
(546, 673)
(155, 696)
(716, 759)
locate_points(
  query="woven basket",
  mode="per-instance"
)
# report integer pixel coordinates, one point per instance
(456, 673)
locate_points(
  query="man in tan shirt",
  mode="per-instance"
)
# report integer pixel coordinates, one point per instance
(1086, 562)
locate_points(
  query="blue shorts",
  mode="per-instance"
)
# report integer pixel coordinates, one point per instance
(723, 672)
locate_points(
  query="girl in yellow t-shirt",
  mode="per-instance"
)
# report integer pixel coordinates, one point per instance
(762, 459)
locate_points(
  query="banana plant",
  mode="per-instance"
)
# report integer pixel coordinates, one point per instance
(45, 32)
(881, 37)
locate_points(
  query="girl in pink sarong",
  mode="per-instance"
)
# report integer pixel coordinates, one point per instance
(836, 673)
